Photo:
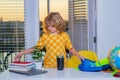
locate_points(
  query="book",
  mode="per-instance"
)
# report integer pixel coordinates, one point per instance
(20, 69)
(20, 63)
(17, 66)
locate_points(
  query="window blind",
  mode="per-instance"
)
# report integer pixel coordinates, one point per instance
(11, 25)
(78, 23)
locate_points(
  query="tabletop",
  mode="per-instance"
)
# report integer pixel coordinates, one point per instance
(54, 74)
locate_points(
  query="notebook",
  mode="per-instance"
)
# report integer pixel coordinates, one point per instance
(30, 72)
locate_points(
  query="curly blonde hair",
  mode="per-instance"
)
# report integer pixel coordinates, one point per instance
(54, 19)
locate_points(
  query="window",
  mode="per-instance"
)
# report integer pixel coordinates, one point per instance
(78, 23)
(11, 25)
(82, 24)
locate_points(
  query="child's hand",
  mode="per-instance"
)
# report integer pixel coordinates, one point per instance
(18, 57)
(82, 58)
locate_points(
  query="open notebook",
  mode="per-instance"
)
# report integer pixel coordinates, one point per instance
(30, 72)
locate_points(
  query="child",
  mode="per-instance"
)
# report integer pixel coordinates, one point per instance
(55, 40)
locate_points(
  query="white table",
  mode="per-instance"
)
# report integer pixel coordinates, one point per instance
(54, 74)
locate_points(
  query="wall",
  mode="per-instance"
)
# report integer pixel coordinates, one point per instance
(108, 26)
(31, 25)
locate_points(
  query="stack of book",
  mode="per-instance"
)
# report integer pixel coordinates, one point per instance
(21, 66)
(26, 68)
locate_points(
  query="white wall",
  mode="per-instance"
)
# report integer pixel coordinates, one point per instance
(31, 25)
(108, 26)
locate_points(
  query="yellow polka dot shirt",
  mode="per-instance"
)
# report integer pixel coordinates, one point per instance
(55, 44)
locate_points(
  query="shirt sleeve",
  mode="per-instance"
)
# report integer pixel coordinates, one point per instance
(41, 42)
(68, 43)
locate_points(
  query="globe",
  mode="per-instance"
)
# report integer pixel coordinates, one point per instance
(114, 57)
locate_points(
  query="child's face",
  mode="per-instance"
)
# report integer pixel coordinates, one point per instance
(52, 29)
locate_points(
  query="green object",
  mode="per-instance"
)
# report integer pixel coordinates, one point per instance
(37, 54)
(114, 72)
(77, 69)
(102, 62)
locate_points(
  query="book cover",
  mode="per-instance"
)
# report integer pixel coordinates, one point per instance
(20, 63)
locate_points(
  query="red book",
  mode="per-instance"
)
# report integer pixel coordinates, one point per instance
(21, 63)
